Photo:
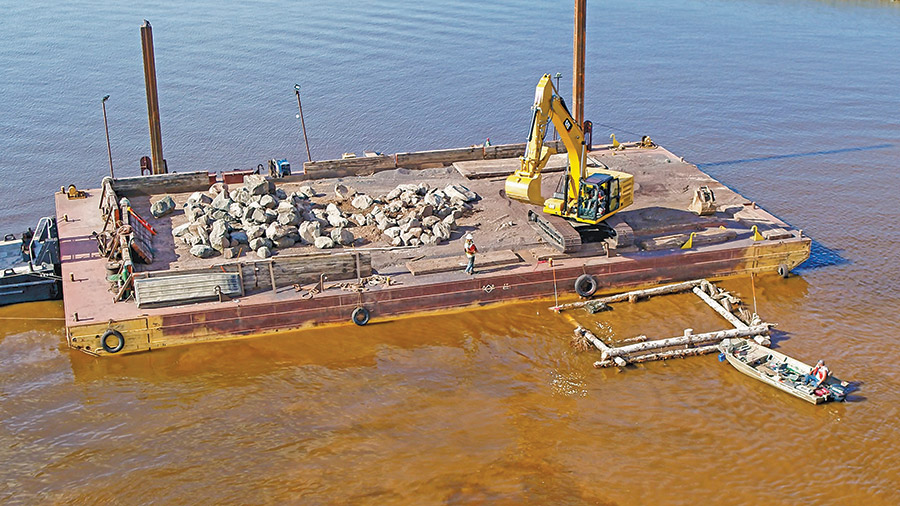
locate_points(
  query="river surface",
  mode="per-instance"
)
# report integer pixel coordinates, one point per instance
(796, 104)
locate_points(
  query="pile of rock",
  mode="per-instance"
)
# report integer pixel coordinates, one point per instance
(412, 214)
(259, 217)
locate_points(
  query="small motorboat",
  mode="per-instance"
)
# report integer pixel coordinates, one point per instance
(29, 265)
(780, 371)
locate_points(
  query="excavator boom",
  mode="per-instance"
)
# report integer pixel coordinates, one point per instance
(525, 183)
(588, 197)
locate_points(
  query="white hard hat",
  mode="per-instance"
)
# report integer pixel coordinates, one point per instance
(468, 237)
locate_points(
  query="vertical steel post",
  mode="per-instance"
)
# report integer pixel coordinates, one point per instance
(302, 123)
(156, 153)
(578, 61)
(108, 146)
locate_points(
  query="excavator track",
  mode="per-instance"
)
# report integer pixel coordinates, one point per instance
(556, 231)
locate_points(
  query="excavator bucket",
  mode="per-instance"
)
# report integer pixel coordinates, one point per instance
(525, 188)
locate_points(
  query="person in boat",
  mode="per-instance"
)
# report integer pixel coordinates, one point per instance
(817, 375)
(470, 249)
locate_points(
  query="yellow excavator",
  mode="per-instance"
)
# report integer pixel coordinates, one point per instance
(588, 195)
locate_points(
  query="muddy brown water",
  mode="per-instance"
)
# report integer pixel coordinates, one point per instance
(793, 103)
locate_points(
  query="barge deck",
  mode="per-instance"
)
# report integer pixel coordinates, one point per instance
(520, 271)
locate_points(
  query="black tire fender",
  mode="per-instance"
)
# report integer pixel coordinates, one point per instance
(586, 285)
(784, 271)
(360, 316)
(120, 341)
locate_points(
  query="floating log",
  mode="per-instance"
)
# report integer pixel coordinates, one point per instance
(665, 355)
(725, 313)
(738, 324)
(649, 292)
(600, 345)
(687, 339)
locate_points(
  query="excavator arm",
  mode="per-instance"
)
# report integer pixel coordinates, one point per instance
(525, 183)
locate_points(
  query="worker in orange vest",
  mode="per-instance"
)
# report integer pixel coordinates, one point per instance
(470, 248)
(817, 375)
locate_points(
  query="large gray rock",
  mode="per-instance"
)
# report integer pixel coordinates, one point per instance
(332, 209)
(393, 232)
(271, 216)
(433, 200)
(415, 231)
(359, 219)
(283, 242)
(218, 189)
(450, 221)
(362, 202)
(408, 224)
(280, 194)
(324, 242)
(263, 252)
(441, 231)
(258, 215)
(222, 202)
(259, 242)
(268, 202)
(460, 192)
(429, 240)
(407, 238)
(338, 221)
(306, 192)
(241, 195)
(285, 206)
(163, 207)
(236, 210)
(218, 236)
(255, 232)
(202, 251)
(199, 198)
(181, 230)
(240, 236)
(276, 231)
(429, 221)
(291, 217)
(256, 184)
(393, 194)
(343, 192)
(310, 231)
(342, 236)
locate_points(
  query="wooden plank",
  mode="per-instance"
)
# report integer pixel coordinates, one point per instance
(637, 294)
(185, 289)
(161, 183)
(710, 236)
(348, 167)
(438, 157)
(286, 271)
(687, 339)
(485, 169)
(457, 263)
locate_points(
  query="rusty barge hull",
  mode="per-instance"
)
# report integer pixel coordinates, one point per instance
(90, 312)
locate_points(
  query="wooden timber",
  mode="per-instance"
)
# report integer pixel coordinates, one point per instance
(640, 294)
(663, 355)
(457, 263)
(161, 184)
(600, 345)
(284, 271)
(688, 339)
(487, 169)
(709, 236)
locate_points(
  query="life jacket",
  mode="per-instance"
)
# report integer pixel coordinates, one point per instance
(820, 372)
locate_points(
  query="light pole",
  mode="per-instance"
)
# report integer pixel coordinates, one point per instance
(557, 76)
(302, 123)
(106, 126)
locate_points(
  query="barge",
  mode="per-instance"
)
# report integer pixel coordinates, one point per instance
(126, 306)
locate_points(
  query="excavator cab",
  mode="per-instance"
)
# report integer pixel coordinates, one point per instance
(598, 195)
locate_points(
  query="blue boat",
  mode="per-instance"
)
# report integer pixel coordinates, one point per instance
(30, 265)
